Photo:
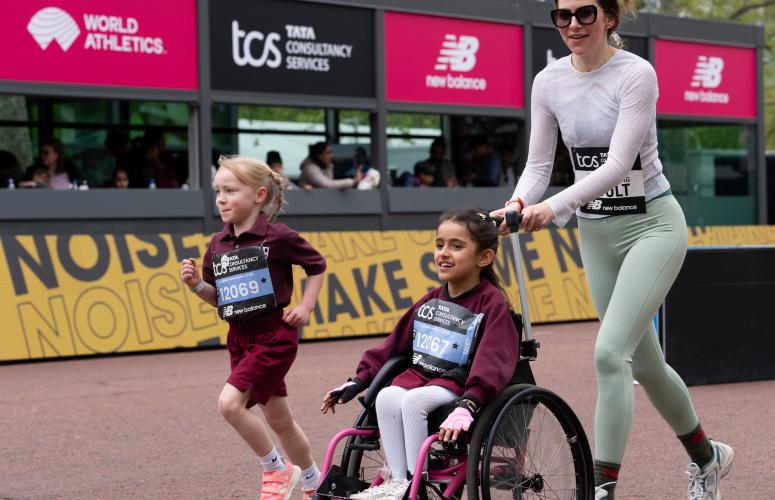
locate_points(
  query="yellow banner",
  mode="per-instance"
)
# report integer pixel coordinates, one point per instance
(73, 295)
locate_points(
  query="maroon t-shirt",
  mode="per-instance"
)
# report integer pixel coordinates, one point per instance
(283, 248)
(495, 357)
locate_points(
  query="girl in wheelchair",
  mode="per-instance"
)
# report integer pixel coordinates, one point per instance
(462, 343)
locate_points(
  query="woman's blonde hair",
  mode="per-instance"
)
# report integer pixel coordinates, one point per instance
(255, 173)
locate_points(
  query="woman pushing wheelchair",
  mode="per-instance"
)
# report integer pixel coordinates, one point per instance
(462, 343)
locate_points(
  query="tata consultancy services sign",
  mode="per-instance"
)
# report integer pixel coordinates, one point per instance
(144, 43)
(285, 46)
(443, 60)
(705, 80)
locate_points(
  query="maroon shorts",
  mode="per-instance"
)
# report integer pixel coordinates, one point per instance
(259, 362)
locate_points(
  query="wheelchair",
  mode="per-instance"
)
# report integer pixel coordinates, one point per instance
(525, 443)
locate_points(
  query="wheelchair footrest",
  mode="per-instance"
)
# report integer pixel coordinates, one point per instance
(337, 485)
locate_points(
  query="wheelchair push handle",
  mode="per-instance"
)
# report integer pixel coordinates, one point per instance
(513, 220)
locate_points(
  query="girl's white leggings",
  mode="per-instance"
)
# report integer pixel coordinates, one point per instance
(402, 416)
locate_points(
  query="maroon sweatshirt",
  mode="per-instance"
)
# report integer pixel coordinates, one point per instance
(495, 356)
(283, 248)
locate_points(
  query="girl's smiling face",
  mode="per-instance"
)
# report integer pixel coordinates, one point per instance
(457, 257)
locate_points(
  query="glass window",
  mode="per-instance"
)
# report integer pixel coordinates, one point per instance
(256, 130)
(81, 111)
(354, 123)
(293, 148)
(20, 142)
(709, 171)
(17, 108)
(409, 138)
(148, 139)
(268, 118)
(144, 113)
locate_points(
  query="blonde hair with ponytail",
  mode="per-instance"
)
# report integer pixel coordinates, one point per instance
(255, 173)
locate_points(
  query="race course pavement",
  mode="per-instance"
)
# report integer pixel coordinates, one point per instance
(147, 426)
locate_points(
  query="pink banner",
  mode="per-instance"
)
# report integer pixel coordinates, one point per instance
(705, 80)
(452, 61)
(143, 43)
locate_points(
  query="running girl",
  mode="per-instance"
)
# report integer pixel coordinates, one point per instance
(247, 275)
(461, 340)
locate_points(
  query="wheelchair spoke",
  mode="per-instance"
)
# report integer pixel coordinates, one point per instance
(530, 455)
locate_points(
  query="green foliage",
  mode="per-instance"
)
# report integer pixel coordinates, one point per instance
(403, 122)
(278, 114)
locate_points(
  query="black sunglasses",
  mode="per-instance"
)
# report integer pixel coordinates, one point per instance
(586, 14)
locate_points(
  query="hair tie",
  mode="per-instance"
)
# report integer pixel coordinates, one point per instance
(615, 40)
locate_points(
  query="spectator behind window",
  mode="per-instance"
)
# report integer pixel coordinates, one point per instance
(151, 160)
(485, 167)
(41, 179)
(317, 170)
(424, 176)
(61, 172)
(275, 162)
(120, 178)
(9, 169)
(508, 176)
(444, 169)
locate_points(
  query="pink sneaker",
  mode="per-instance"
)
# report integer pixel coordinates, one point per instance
(278, 484)
(307, 493)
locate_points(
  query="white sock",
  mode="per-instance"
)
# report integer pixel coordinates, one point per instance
(310, 477)
(273, 461)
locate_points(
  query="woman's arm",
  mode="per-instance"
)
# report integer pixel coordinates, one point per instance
(315, 176)
(543, 144)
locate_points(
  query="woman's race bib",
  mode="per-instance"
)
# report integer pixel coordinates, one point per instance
(627, 197)
(444, 336)
(243, 283)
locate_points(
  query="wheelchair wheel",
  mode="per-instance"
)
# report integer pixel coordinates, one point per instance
(363, 457)
(529, 444)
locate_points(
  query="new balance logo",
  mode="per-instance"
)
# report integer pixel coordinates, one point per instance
(416, 358)
(53, 24)
(457, 53)
(595, 205)
(707, 74)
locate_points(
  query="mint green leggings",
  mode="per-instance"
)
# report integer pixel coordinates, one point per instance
(631, 262)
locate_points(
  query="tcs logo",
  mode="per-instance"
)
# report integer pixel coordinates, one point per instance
(587, 161)
(242, 48)
(457, 53)
(707, 73)
(425, 312)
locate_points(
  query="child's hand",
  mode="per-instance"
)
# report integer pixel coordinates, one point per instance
(189, 273)
(459, 420)
(296, 317)
(341, 395)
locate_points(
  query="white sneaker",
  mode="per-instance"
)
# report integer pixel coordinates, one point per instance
(703, 483)
(600, 492)
(383, 491)
(397, 490)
